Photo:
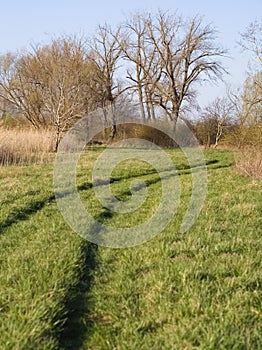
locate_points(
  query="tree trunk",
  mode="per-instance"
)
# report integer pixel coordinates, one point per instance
(141, 104)
(208, 140)
(218, 134)
(113, 120)
(174, 116)
(57, 140)
(148, 110)
(105, 122)
(152, 108)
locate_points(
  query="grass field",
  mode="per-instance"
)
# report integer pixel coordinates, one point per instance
(197, 290)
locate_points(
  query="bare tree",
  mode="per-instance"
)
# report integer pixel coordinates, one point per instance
(105, 52)
(18, 88)
(184, 54)
(139, 52)
(216, 117)
(251, 39)
(248, 111)
(53, 85)
(67, 73)
(252, 97)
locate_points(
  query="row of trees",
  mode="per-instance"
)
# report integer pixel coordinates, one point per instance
(238, 115)
(155, 61)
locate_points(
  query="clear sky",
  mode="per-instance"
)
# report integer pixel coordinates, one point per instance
(29, 21)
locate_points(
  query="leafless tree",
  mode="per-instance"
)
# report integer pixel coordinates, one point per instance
(18, 88)
(167, 57)
(183, 53)
(248, 111)
(106, 52)
(217, 116)
(139, 52)
(53, 85)
(251, 39)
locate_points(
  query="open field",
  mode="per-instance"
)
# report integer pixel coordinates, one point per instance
(197, 290)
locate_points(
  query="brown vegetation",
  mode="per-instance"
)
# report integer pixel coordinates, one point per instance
(25, 146)
(249, 163)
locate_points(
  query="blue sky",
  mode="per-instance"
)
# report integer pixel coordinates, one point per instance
(26, 21)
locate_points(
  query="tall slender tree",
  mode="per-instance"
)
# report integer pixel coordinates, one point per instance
(106, 52)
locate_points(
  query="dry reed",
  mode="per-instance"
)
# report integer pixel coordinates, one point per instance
(25, 146)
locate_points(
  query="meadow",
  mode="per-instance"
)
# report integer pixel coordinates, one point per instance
(201, 289)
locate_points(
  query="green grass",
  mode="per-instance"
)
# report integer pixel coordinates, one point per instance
(198, 290)
(40, 260)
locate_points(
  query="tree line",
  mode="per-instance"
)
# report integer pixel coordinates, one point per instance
(238, 115)
(153, 61)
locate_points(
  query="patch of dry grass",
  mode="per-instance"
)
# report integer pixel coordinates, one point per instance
(249, 162)
(25, 146)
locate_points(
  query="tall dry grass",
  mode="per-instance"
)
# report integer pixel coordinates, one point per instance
(249, 162)
(25, 146)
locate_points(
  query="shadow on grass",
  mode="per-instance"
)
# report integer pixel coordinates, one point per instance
(221, 166)
(78, 325)
(89, 185)
(24, 213)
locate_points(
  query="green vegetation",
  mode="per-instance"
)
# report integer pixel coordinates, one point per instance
(40, 259)
(200, 289)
